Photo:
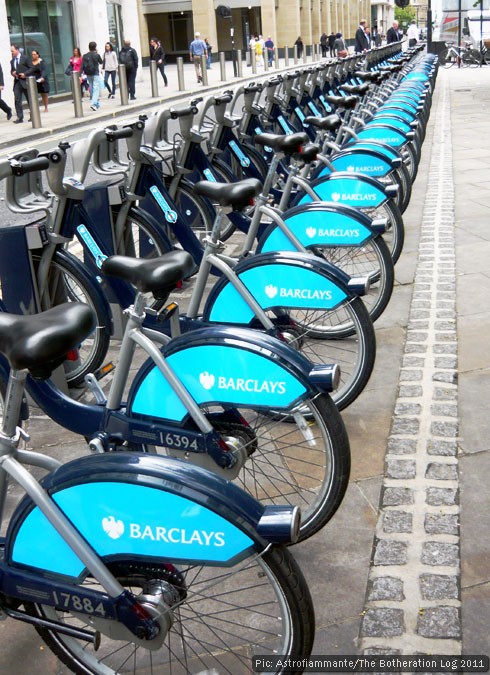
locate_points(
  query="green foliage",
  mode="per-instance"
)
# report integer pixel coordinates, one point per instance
(405, 16)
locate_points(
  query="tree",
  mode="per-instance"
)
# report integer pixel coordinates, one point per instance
(404, 16)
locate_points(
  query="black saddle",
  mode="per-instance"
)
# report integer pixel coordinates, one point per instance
(346, 102)
(40, 342)
(289, 144)
(328, 123)
(356, 89)
(158, 276)
(237, 195)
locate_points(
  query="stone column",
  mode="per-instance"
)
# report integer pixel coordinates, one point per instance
(268, 18)
(205, 21)
(288, 22)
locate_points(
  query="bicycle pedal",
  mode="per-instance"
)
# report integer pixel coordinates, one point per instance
(104, 370)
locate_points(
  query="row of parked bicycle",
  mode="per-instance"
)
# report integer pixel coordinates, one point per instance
(163, 550)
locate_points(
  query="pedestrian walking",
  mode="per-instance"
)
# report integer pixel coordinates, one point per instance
(38, 70)
(196, 49)
(331, 44)
(324, 44)
(18, 65)
(299, 46)
(413, 34)
(361, 42)
(75, 66)
(340, 47)
(269, 46)
(259, 52)
(209, 49)
(393, 34)
(109, 66)
(91, 63)
(157, 54)
(4, 106)
(129, 57)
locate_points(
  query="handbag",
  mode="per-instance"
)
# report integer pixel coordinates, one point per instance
(69, 69)
(342, 53)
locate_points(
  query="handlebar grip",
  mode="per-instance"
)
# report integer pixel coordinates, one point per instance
(37, 164)
(183, 112)
(114, 134)
(225, 98)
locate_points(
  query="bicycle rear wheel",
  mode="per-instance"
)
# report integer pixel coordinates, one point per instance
(289, 462)
(221, 618)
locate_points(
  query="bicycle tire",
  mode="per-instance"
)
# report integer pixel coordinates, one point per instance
(373, 260)
(394, 236)
(286, 466)
(223, 617)
(344, 336)
(471, 58)
(486, 57)
(69, 281)
(198, 212)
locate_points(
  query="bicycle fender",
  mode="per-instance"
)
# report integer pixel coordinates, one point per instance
(350, 190)
(319, 224)
(130, 506)
(285, 279)
(223, 365)
(384, 133)
(367, 161)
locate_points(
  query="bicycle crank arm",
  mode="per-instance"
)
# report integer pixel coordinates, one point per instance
(77, 633)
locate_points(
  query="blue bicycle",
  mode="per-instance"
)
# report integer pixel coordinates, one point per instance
(127, 563)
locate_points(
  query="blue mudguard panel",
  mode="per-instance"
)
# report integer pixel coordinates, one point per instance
(225, 366)
(382, 134)
(278, 280)
(347, 189)
(134, 506)
(319, 224)
(363, 161)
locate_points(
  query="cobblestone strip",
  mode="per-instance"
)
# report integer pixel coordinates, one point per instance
(413, 602)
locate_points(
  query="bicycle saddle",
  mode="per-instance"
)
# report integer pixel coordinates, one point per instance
(40, 342)
(360, 89)
(342, 101)
(158, 275)
(328, 123)
(288, 144)
(368, 75)
(308, 153)
(237, 195)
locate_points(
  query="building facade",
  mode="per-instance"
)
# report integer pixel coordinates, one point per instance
(55, 27)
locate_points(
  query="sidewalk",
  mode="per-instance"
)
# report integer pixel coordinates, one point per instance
(61, 115)
(403, 567)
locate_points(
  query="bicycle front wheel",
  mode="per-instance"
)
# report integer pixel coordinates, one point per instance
(220, 618)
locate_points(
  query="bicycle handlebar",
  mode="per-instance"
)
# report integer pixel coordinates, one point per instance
(19, 168)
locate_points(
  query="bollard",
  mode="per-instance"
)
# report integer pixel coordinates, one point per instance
(266, 60)
(180, 73)
(153, 79)
(33, 102)
(286, 56)
(276, 59)
(77, 94)
(254, 61)
(222, 66)
(204, 72)
(123, 84)
(295, 54)
(239, 68)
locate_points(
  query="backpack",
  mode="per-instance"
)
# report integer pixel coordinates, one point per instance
(90, 63)
(126, 57)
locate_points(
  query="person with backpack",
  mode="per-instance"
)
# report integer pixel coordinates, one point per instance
(129, 58)
(91, 63)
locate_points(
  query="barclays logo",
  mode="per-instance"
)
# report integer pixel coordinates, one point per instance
(112, 527)
(271, 291)
(207, 380)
